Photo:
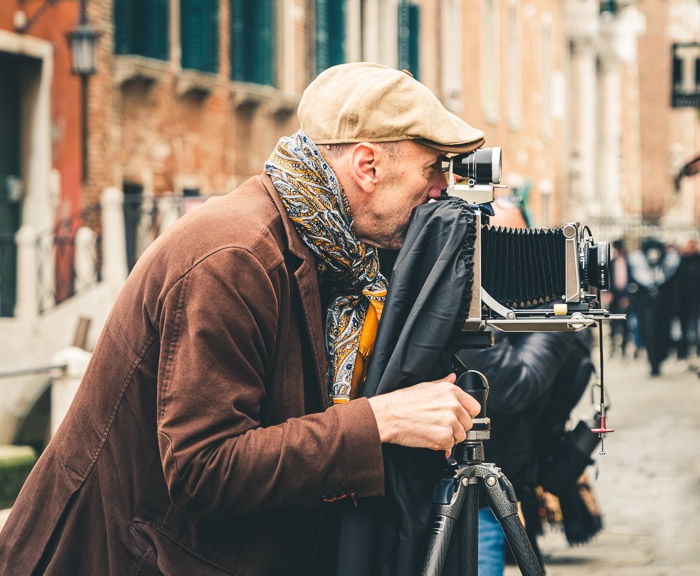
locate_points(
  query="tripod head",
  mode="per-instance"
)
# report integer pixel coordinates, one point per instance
(471, 450)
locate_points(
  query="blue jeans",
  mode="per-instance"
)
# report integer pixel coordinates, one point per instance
(492, 545)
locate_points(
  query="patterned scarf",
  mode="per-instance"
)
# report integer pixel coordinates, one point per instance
(314, 200)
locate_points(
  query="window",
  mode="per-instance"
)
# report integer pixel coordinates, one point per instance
(141, 28)
(409, 26)
(490, 57)
(373, 31)
(252, 41)
(547, 63)
(452, 47)
(330, 33)
(514, 66)
(199, 34)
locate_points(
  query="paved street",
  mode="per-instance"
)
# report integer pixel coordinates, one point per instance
(648, 484)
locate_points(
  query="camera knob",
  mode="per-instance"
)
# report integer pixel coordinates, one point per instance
(475, 384)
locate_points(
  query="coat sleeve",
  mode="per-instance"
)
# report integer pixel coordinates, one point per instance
(218, 336)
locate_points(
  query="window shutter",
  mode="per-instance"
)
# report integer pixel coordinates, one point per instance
(262, 65)
(322, 25)
(199, 34)
(212, 37)
(409, 36)
(253, 41)
(157, 40)
(238, 40)
(330, 33)
(192, 34)
(336, 28)
(122, 26)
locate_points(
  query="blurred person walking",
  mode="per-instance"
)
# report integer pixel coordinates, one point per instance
(689, 307)
(619, 298)
(653, 270)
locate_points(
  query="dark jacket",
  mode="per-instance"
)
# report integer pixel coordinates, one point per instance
(530, 377)
(199, 442)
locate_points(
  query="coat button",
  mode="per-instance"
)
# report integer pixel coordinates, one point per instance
(311, 530)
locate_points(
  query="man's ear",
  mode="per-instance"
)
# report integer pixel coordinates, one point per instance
(363, 159)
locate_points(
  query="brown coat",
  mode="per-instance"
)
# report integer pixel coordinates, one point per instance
(198, 442)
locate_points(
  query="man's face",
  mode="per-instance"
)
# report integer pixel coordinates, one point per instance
(404, 181)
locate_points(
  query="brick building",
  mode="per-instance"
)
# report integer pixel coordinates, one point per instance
(39, 127)
(670, 137)
(190, 97)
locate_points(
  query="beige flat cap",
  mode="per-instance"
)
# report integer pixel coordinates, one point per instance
(366, 102)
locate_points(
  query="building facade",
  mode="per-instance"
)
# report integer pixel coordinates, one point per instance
(189, 98)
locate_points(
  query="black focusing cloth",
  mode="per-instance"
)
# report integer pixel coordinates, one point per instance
(428, 298)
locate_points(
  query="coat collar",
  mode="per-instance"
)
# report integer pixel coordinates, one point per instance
(306, 278)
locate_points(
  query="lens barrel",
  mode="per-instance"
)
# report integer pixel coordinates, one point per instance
(594, 265)
(483, 166)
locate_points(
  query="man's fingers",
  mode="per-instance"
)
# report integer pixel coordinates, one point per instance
(451, 378)
(459, 432)
(470, 403)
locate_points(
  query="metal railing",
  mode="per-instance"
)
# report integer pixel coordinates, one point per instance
(48, 369)
(69, 257)
(634, 230)
(147, 217)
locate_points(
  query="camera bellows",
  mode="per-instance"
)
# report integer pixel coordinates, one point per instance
(523, 267)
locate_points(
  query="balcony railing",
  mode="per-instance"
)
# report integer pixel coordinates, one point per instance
(69, 257)
(147, 217)
(40, 270)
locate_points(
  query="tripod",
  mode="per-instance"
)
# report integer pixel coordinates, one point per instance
(456, 498)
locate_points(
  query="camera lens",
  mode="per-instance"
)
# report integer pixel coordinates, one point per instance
(599, 265)
(483, 166)
(594, 262)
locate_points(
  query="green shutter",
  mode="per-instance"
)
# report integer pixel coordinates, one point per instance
(409, 36)
(253, 41)
(336, 32)
(141, 28)
(157, 42)
(330, 33)
(212, 46)
(122, 26)
(199, 34)
(321, 35)
(262, 66)
(238, 39)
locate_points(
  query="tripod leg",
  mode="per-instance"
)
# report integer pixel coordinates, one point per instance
(448, 500)
(469, 533)
(504, 505)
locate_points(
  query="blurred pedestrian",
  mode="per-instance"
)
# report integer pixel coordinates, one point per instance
(653, 270)
(689, 296)
(619, 298)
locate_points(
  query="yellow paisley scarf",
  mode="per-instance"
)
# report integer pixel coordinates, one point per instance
(314, 200)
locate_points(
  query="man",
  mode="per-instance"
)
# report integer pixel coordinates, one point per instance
(654, 293)
(619, 298)
(201, 441)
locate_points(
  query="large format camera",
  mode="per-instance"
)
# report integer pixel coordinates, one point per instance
(518, 272)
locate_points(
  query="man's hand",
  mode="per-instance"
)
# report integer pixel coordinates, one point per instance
(435, 415)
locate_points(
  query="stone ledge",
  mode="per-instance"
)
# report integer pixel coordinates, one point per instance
(247, 96)
(195, 82)
(131, 67)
